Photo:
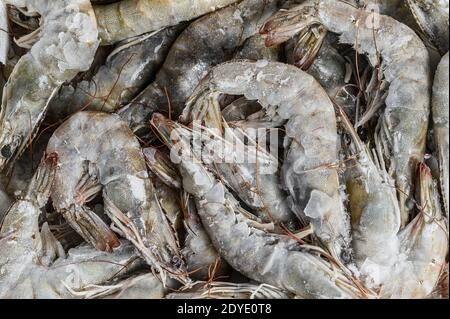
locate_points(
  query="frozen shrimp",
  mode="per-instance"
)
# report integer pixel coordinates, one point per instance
(267, 258)
(128, 69)
(99, 153)
(424, 245)
(432, 18)
(202, 259)
(440, 109)
(405, 63)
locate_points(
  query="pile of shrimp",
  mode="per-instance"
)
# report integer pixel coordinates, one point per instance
(266, 149)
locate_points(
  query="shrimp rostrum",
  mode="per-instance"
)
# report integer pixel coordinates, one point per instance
(403, 126)
(33, 263)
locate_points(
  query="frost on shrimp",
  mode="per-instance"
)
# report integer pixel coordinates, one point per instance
(99, 153)
(405, 61)
(432, 18)
(33, 263)
(309, 169)
(67, 45)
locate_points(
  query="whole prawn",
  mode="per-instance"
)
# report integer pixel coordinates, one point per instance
(405, 61)
(99, 153)
(200, 255)
(309, 170)
(34, 264)
(67, 44)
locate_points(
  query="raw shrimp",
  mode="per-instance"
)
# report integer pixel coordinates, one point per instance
(405, 61)
(255, 49)
(208, 41)
(127, 70)
(267, 258)
(432, 18)
(33, 263)
(67, 45)
(129, 18)
(424, 245)
(440, 103)
(309, 169)
(98, 152)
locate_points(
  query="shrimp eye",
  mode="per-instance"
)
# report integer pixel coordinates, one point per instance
(6, 151)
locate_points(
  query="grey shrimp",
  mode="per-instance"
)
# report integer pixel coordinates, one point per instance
(374, 210)
(33, 263)
(67, 45)
(272, 259)
(309, 170)
(405, 61)
(432, 18)
(424, 245)
(99, 153)
(440, 110)
(211, 40)
(128, 18)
